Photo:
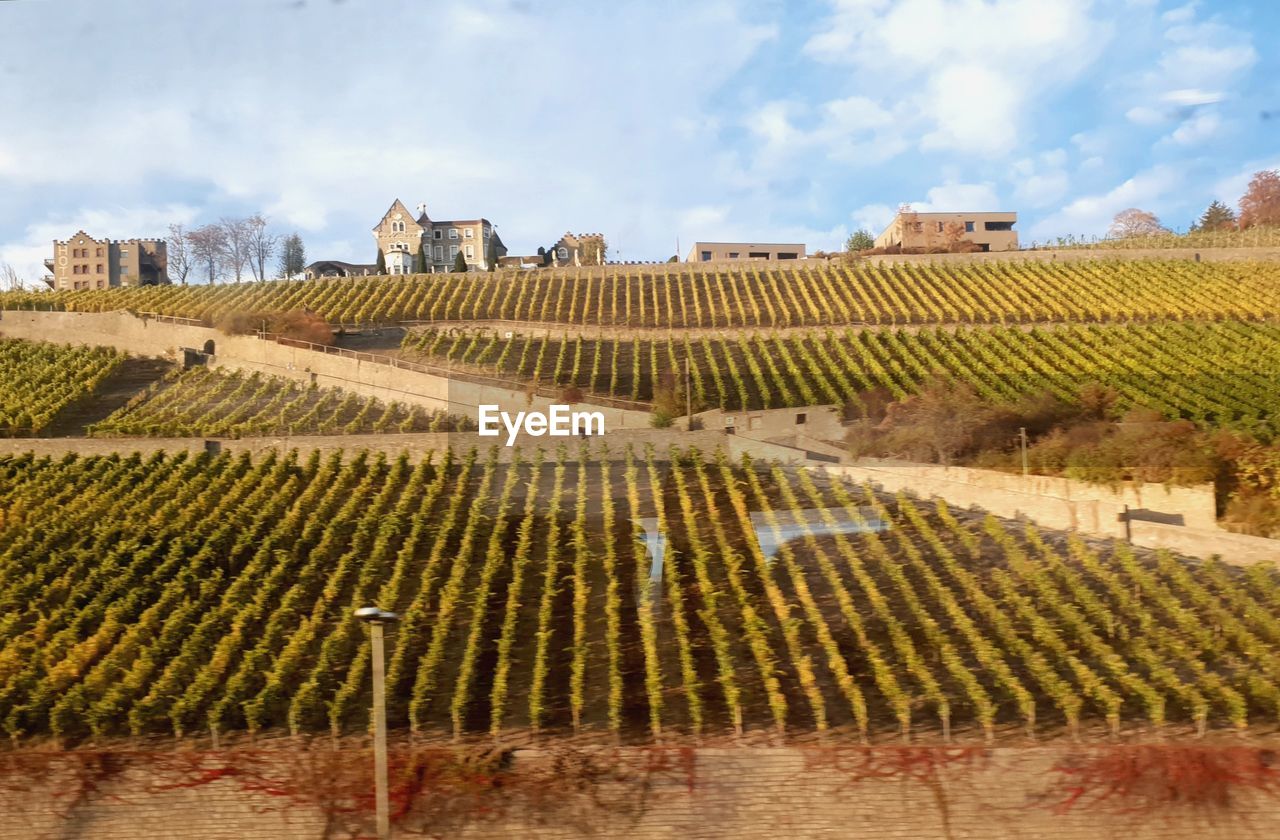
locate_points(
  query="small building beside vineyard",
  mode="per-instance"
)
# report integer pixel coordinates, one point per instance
(923, 232)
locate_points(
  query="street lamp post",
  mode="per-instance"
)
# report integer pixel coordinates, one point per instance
(377, 619)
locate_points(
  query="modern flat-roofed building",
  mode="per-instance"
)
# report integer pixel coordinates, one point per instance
(726, 251)
(82, 262)
(988, 231)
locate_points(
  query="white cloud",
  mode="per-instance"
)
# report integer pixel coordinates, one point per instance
(1190, 97)
(1092, 214)
(969, 70)
(954, 198)
(873, 217)
(1197, 130)
(1145, 115)
(541, 120)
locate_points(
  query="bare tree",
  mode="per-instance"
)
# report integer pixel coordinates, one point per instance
(262, 245)
(10, 281)
(235, 251)
(1135, 222)
(207, 244)
(178, 253)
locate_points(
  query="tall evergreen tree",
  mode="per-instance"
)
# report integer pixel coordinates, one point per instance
(382, 263)
(293, 256)
(423, 265)
(1217, 216)
(460, 263)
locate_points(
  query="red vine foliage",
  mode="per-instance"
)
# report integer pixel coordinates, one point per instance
(432, 790)
(920, 764)
(1143, 777)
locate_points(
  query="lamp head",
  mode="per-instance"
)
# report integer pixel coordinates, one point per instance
(376, 615)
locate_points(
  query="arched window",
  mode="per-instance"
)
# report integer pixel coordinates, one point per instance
(562, 253)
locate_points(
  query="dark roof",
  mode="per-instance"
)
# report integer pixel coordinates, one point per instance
(345, 266)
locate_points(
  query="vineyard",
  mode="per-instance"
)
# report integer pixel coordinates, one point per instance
(1258, 236)
(767, 295)
(183, 594)
(39, 380)
(1219, 372)
(206, 403)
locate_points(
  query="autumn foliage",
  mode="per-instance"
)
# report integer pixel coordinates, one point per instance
(297, 324)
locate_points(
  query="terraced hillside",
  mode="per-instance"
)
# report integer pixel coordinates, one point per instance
(1223, 373)
(37, 381)
(207, 403)
(185, 593)
(752, 296)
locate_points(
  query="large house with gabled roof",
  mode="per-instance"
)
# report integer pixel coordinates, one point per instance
(412, 243)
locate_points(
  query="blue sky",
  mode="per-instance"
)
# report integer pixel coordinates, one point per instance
(647, 121)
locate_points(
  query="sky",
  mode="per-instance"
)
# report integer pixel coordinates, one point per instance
(652, 122)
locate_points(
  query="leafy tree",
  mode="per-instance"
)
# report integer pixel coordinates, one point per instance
(1217, 216)
(1260, 205)
(859, 240)
(1134, 222)
(293, 256)
(460, 263)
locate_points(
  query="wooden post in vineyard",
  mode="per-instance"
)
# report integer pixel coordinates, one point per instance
(377, 619)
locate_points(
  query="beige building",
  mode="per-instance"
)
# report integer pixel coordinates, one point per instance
(414, 243)
(926, 231)
(82, 262)
(722, 251)
(579, 249)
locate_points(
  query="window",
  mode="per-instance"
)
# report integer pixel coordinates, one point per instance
(968, 227)
(918, 227)
(124, 269)
(99, 252)
(124, 253)
(437, 233)
(758, 255)
(439, 252)
(99, 271)
(733, 255)
(939, 227)
(788, 255)
(471, 233)
(486, 231)
(800, 418)
(562, 253)
(470, 254)
(453, 252)
(705, 256)
(453, 233)
(997, 225)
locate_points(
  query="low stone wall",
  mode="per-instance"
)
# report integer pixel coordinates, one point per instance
(1068, 505)
(1074, 793)
(416, 445)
